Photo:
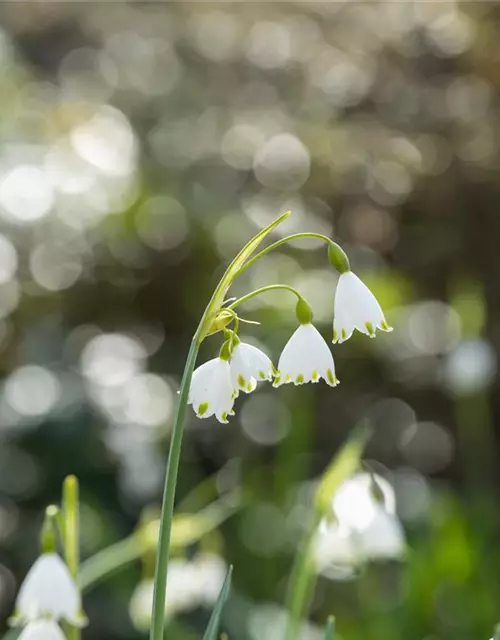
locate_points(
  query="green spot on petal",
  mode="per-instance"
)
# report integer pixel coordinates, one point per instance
(224, 416)
(288, 378)
(262, 375)
(241, 381)
(314, 375)
(330, 377)
(203, 408)
(384, 326)
(370, 329)
(249, 386)
(343, 333)
(299, 379)
(335, 336)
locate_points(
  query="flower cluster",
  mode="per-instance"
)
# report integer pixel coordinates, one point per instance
(364, 526)
(306, 356)
(47, 595)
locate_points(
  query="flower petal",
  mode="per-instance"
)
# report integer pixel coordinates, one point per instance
(49, 590)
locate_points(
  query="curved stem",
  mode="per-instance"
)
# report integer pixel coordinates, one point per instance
(295, 236)
(167, 509)
(257, 292)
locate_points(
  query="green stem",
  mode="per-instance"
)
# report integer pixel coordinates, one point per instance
(71, 536)
(167, 509)
(295, 236)
(257, 292)
(301, 584)
(109, 560)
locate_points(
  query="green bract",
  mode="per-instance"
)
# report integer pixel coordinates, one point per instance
(230, 274)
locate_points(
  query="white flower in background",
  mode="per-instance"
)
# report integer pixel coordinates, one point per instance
(49, 591)
(42, 630)
(306, 358)
(248, 366)
(190, 584)
(211, 390)
(365, 526)
(356, 308)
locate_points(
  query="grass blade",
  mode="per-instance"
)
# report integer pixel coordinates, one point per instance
(214, 622)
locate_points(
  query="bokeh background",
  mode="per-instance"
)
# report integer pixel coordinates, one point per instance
(141, 144)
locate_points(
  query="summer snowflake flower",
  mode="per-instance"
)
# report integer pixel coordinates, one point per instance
(42, 630)
(306, 358)
(248, 365)
(365, 528)
(49, 591)
(356, 308)
(211, 391)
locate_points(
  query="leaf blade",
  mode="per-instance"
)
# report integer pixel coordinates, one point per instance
(214, 622)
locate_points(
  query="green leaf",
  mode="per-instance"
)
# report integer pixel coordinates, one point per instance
(345, 463)
(230, 274)
(330, 629)
(214, 622)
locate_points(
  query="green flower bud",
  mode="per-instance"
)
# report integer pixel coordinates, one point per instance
(303, 311)
(338, 258)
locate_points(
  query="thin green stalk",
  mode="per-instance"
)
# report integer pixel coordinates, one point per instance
(113, 558)
(302, 583)
(278, 243)
(167, 509)
(257, 292)
(109, 560)
(71, 514)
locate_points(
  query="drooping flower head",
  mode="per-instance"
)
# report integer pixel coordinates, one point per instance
(49, 591)
(211, 392)
(306, 356)
(356, 308)
(365, 527)
(249, 365)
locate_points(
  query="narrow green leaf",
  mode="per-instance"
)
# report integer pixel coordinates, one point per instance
(214, 622)
(345, 463)
(231, 272)
(330, 629)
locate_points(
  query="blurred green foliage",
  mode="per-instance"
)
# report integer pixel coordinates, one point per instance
(142, 144)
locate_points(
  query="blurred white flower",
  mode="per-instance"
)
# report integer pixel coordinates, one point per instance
(42, 630)
(356, 308)
(190, 584)
(211, 390)
(49, 591)
(306, 358)
(249, 365)
(365, 525)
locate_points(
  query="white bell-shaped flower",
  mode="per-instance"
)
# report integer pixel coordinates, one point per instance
(211, 391)
(365, 526)
(306, 358)
(42, 630)
(49, 591)
(248, 366)
(356, 308)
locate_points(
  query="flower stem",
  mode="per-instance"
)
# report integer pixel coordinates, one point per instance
(257, 292)
(167, 509)
(302, 581)
(295, 236)
(71, 536)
